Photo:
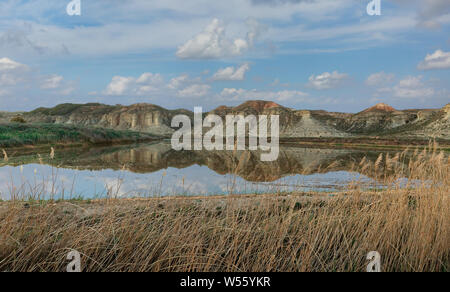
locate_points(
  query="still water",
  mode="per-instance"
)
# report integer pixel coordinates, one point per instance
(150, 170)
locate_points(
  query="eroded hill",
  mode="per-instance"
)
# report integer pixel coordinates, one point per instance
(381, 120)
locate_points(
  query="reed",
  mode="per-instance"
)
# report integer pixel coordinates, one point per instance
(407, 222)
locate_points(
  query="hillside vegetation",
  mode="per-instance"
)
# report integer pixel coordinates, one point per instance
(379, 120)
(16, 134)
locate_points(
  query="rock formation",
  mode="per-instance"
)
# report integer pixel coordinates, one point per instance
(379, 120)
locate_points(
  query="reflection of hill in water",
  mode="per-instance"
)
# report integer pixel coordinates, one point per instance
(154, 157)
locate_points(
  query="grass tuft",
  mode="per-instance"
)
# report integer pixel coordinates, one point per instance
(407, 223)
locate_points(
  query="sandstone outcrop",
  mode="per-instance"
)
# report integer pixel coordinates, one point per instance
(379, 120)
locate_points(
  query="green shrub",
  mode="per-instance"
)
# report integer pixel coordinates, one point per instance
(18, 119)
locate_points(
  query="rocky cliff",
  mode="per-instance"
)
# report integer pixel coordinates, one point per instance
(138, 117)
(293, 123)
(380, 120)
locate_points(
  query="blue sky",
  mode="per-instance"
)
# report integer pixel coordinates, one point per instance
(305, 54)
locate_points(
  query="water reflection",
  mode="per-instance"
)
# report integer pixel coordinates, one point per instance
(157, 170)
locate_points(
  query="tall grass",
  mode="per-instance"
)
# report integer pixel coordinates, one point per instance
(407, 222)
(16, 135)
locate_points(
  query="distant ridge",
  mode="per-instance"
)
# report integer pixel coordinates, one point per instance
(381, 107)
(378, 121)
(257, 105)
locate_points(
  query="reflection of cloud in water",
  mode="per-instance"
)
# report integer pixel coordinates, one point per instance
(198, 180)
(154, 170)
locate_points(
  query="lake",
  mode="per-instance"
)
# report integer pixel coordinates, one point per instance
(149, 170)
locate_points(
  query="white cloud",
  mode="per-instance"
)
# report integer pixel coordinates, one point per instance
(119, 85)
(184, 86)
(173, 22)
(243, 94)
(232, 73)
(57, 84)
(195, 90)
(150, 78)
(327, 80)
(20, 85)
(9, 79)
(149, 83)
(144, 84)
(233, 93)
(437, 60)
(380, 79)
(7, 64)
(146, 89)
(69, 89)
(410, 87)
(213, 43)
(154, 84)
(52, 82)
(178, 81)
(11, 72)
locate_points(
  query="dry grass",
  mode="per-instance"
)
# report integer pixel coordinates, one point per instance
(407, 223)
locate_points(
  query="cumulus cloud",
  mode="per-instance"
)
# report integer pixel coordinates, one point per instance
(279, 96)
(119, 85)
(232, 73)
(154, 84)
(149, 83)
(380, 79)
(144, 84)
(179, 81)
(150, 78)
(437, 60)
(410, 87)
(52, 82)
(57, 84)
(11, 72)
(171, 21)
(185, 86)
(213, 43)
(195, 90)
(7, 64)
(327, 80)
(20, 84)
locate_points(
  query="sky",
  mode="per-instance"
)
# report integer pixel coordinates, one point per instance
(304, 54)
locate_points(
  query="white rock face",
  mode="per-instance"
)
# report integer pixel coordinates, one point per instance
(446, 109)
(153, 119)
(310, 127)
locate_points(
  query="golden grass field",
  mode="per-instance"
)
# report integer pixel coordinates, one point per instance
(407, 223)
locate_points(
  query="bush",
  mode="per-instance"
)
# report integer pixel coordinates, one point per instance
(18, 119)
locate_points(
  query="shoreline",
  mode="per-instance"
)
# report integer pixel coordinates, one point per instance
(31, 149)
(357, 143)
(310, 194)
(276, 231)
(39, 137)
(254, 228)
